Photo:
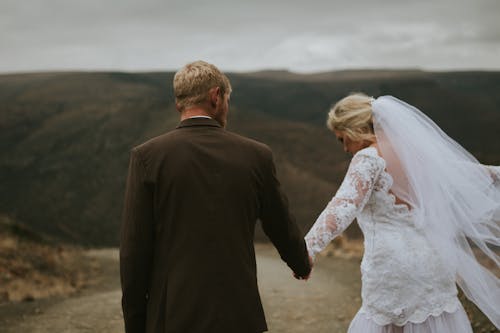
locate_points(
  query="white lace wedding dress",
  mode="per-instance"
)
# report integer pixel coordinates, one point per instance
(405, 286)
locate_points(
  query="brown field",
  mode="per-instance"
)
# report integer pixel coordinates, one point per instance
(32, 268)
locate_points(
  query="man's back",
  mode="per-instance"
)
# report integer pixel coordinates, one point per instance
(193, 197)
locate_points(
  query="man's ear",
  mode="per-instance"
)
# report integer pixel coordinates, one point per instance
(214, 94)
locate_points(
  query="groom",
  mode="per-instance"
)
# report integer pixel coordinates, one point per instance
(187, 261)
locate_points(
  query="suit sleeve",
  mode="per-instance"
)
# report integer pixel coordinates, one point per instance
(279, 225)
(136, 246)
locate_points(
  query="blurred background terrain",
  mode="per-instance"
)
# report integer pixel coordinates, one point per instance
(65, 137)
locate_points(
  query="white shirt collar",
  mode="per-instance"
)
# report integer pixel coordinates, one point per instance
(207, 117)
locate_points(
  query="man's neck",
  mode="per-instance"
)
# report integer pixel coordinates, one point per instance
(194, 112)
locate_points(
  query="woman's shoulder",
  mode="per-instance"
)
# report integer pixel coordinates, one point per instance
(369, 151)
(373, 153)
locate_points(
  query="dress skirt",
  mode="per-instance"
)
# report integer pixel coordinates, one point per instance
(456, 322)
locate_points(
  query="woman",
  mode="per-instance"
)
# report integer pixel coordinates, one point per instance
(418, 198)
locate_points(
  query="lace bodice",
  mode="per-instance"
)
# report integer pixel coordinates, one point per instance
(403, 278)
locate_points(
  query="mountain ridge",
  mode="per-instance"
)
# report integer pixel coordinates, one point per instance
(65, 137)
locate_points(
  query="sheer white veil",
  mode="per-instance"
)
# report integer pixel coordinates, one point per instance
(453, 197)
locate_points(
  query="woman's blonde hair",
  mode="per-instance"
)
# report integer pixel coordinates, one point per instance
(193, 82)
(353, 116)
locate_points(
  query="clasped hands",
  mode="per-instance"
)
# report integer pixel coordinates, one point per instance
(305, 278)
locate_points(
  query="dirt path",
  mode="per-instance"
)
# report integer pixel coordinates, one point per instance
(325, 303)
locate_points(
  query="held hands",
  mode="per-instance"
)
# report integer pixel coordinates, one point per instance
(305, 278)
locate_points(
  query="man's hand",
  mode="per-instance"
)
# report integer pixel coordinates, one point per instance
(301, 277)
(309, 275)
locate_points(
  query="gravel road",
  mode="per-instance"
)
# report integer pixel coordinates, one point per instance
(325, 303)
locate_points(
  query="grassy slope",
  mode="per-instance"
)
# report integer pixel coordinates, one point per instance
(32, 267)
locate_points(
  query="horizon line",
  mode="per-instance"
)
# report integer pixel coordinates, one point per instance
(257, 71)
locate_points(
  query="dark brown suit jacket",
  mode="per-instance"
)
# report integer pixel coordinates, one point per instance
(187, 260)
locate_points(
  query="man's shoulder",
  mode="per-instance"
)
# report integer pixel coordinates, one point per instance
(249, 142)
(159, 140)
(260, 149)
(152, 146)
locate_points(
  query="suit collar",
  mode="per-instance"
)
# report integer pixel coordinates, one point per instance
(198, 122)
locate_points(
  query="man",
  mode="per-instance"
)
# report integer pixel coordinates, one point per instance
(193, 196)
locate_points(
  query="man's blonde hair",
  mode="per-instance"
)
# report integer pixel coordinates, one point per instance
(193, 82)
(353, 116)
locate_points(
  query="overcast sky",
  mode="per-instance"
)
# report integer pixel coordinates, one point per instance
(237, 35)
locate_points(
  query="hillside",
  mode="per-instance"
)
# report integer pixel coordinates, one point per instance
(65, 137)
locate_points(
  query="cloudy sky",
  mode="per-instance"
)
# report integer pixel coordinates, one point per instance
(238, 35)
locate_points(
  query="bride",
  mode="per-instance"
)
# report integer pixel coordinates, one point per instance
(420, 200)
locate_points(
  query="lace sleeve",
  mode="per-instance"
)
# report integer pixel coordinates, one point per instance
(349, 200)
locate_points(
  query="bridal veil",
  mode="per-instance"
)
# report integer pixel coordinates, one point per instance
(454, 198)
